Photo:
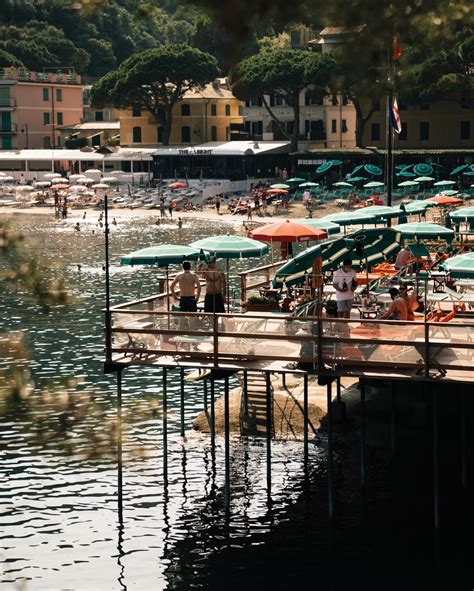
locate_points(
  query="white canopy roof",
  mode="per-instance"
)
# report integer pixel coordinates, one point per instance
(235, 148)
(76, 155)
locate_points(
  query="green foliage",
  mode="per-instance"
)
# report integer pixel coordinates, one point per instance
(258, 300)
(283, 73)
(155, 80)
(75, 143)
(8, 59)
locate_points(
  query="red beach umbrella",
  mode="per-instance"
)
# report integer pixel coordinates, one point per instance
(59, 187)
(278, 191)
(445, 200)
(178, 185)
(287, 231)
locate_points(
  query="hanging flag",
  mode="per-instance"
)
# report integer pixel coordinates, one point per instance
(397, 50)
(394, 117)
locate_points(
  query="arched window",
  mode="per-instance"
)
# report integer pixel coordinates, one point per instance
(137, 135)
(185, 134)
(213, 133)
(227, 110)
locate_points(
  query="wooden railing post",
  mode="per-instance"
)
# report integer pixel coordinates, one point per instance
(215, 323)
(427, 350)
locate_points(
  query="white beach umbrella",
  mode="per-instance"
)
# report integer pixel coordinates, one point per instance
(7, 179)
(51, 175)
(78, 189)
(3, 174)
(43, 183)
(100, 186)
(75, 177)
(24, 188)
(92, 171)
(85, 181)
(109, 179)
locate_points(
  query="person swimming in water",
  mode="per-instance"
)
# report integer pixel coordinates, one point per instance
(77, 227)
(114, 222)
(180, 223)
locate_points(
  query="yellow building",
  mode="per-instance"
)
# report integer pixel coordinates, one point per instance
(437, 125)
(202, 116)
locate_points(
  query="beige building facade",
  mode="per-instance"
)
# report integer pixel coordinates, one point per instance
(202, 116)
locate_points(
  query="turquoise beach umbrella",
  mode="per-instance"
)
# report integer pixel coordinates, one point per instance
(163, 255)
(420, 230)
(280, 186)
(372, 169)
(295, 180)
(382, 211)
(423, 168)
(296, 269)
(328, 227)
(465, 214)
(461, 266)
(459, 169)
(231, 247)
(309, 184)
(373, 184)
(342, 184)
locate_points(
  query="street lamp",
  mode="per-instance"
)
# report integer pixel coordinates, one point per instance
(24, 129)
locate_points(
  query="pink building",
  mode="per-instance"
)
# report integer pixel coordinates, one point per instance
(34, 105)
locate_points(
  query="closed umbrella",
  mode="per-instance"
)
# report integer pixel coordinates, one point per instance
(328, 227)
(460, 267)
(459, 169)
(231, 247)
(163, 256)
(421, 231)
(295, 270)
(364, 247)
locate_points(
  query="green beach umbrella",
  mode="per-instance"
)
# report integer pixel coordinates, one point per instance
(444, 183)
(372, 169)
(322, 168)
(280, 186)
(357, 168)
(162, 256)
(420, 231)
(407, 184)
(469, 173)
(382, 211)
(373, 184)
(328, 227)
(406, 174)
(231, 247)
(342, 184)
(350, 218)
(464, 214)
(364, 247)
(459, 169)
(295, 180)
(423, 168)
(357, 179)
(296, 269)
(448, 192)
(309, 184)
(423, 179)
(461, 266)
(414, 208)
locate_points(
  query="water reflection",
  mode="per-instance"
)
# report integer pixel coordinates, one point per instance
(59, 522)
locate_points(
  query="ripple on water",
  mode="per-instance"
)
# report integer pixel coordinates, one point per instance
(59, 522)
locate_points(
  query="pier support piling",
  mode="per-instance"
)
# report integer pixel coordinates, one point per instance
(181, 390)
(436, 521)
(463, 441)
(226, 443)
(330, 463)
(363, 444)
(213, 418)
(269, 432)
(393, 410)
(119, 448)
(206, 409)
(165, 426)
(305, 423)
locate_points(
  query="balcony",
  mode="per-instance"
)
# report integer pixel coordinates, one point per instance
(24, 75)
(7, 103)
(10, 129)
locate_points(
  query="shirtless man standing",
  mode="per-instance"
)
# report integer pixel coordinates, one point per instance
(189, 288)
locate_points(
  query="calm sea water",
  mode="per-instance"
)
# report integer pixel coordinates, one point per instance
(59, 525)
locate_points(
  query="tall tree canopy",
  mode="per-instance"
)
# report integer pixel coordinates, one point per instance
(281, 73)
(155, 80)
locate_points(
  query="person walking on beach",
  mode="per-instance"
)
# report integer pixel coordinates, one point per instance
(215, 288)
(170, 209)
(249, 211)
(344, 282)
(65, 207)
(217, 202)
(189, 289)
(162, 208)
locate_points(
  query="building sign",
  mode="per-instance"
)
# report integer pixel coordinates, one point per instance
(195, 152)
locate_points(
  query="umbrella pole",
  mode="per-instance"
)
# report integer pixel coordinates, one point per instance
(168, 295)
(228, 286)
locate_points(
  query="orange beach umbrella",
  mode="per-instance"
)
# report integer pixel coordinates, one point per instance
(287, 231)
(445, 200)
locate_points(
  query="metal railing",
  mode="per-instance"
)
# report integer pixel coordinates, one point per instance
(329, 346)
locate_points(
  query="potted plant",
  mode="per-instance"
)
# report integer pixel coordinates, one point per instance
(260, 304)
